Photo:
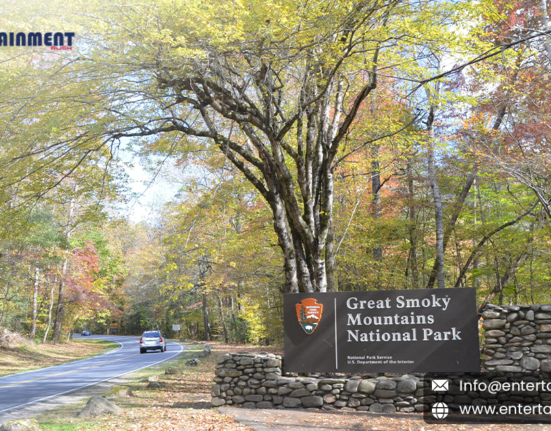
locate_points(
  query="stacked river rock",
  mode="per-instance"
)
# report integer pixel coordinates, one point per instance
(255, 381)
(517, 338)
(516, 346)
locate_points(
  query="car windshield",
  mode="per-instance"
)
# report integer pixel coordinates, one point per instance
(151, 334)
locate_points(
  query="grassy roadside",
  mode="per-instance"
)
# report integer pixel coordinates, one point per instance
(34, 356)
(180, 402)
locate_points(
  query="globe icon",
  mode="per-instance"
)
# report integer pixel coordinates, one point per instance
(440, 410)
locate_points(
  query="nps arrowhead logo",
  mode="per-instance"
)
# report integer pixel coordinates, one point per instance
(309, 314)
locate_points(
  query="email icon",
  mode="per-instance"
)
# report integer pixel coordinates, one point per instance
(440, 385)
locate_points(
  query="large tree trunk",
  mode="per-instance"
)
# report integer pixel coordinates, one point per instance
(294, 174)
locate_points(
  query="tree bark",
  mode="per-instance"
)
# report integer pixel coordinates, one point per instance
(412, 258)
(35, 303)
(50, 310)
(206, 321)
(332, 283)
(61, 293)
(458, 206)
(297, 181)
(376, 209)
(547, 27)
(438, 212)
(222, 320)
(5, 302)
(60, 304)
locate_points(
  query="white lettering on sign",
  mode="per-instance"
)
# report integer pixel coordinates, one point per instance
(434, 301)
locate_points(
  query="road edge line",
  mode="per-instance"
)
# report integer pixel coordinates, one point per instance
(90, 385)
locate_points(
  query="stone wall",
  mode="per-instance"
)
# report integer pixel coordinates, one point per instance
(516, 348)
(246, 380)
(517, 338)
(256, 381)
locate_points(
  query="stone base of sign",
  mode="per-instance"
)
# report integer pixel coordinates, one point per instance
(256, 381)
(516, 347)
(517, 338)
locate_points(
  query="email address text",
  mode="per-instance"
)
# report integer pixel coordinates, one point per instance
(497, 387)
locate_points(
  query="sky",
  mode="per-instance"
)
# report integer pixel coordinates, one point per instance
(150, 191)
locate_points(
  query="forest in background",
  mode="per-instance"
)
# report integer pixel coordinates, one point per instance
(341, 146)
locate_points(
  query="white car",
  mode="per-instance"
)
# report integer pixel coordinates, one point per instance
(152, 340)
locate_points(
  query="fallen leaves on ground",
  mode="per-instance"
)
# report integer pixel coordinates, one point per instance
(182, 404)
(301, 420)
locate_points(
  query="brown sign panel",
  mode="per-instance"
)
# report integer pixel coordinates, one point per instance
(402, 331)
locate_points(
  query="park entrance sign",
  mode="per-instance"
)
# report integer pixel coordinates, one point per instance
(399, 331)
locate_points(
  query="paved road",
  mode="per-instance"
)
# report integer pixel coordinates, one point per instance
(20, 390)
